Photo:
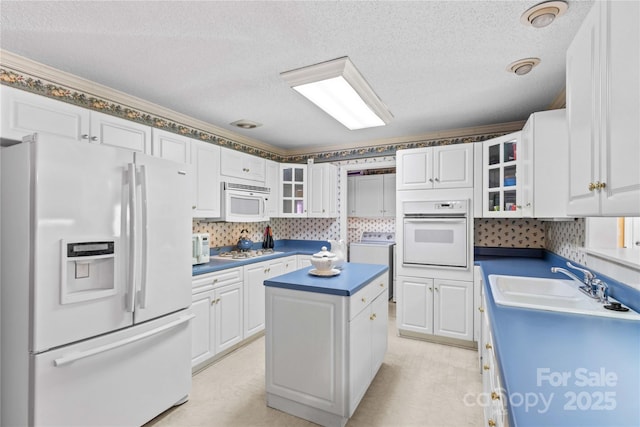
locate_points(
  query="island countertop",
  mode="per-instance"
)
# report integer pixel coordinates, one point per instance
(351, 279)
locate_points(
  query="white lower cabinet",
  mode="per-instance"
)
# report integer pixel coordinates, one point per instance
(254, 299)
(495, 401)
(435, 307)
(324, 350)
(304, 261)
(217, 305)
(368, 344)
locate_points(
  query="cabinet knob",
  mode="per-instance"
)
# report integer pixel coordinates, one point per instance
(592, 186)
(430, 179)
(481, 309)
(382, 285)
(430, 288)
(84, 136)
(364, 299)
(495, 396)
(437, 289)
(94, 138)
(491, 423)
(488, 346)
(601, 185)
(437, 180)
(215, 280)
(193, 207)
(486, 367)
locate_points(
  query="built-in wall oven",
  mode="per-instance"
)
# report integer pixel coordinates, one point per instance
(435, 233)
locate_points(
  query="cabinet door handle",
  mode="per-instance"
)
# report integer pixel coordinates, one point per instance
(382, 284)
(495, 396)
(430, 288)
(592, 186)
(84, 136)
(193, 207)
(491, 423)
(364, 299)
(372, 317)
(430, 179)
(437, 180)
(486, 367)
(481, 309)
(94, 138)
(488, 346)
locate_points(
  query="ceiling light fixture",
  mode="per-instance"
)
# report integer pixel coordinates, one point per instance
(339, 89)
(543, 14)
(246, 124)
(523, 66)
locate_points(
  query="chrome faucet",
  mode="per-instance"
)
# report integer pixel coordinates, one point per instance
(589, 285)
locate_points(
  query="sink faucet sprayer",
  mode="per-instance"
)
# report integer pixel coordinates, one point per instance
(589, 285)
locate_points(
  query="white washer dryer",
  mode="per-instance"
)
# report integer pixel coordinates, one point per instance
(376, 248)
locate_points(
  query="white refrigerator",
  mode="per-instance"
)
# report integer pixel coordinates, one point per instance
(96, 284)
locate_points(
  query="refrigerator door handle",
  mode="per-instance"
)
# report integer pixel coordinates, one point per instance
(65, 360)
(133, 211)
(142, 301)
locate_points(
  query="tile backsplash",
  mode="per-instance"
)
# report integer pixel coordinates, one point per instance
(564, 238)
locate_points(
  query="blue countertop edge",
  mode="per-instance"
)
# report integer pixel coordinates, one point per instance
(535, 347)
(351, 279)
(286, 247)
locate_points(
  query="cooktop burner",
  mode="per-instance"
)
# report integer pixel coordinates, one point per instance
(240, 255)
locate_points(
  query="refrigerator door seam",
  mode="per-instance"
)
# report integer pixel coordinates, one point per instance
(82, 355)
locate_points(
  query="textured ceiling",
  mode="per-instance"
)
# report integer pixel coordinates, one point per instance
(438, 65)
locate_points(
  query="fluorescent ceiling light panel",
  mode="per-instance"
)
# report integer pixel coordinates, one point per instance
(340, 90)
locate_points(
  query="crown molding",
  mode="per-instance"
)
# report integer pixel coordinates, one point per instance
(461, 133)
(45, 72)
(560, 100)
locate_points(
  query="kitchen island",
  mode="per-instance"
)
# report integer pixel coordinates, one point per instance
(325, 340)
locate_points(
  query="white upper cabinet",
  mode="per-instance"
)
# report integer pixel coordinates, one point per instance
(272, 181)
(544, 150)
(24, 113)
(117, 132)
(373, 196)
(293, 190)
(603, 106)
(168, 145)
(236, 164)
(502, 176)
(205, 162)
(322, 196)
(446, 166)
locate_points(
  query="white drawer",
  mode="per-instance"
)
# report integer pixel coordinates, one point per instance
(208, 281)
(362, 298)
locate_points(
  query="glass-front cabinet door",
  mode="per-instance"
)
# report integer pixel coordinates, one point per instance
(502, 195)
(293, 187)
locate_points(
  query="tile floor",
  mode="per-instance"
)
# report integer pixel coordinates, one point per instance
(419, 384)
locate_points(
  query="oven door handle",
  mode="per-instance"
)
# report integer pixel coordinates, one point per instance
(432, 220)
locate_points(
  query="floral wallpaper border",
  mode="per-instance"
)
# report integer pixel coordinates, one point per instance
(34, 84)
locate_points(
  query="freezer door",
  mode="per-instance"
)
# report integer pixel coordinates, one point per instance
(121, 379)
(77, 234)
(165, 228)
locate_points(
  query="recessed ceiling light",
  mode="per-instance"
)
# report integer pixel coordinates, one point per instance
(341, 91)
(523, 66)
(543, 14)
(246, 124)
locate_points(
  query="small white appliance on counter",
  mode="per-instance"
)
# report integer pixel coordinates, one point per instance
(376, 248)
(244, 203)
(96, 284)
(200, 248)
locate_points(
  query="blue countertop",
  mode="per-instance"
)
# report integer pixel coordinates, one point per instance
(286, 247)
(352, 278)
(563, 369)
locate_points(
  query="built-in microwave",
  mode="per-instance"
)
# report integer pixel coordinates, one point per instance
(244, 203)
(200, 248)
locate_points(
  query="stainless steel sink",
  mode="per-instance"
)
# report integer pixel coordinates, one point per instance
(551, 295)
